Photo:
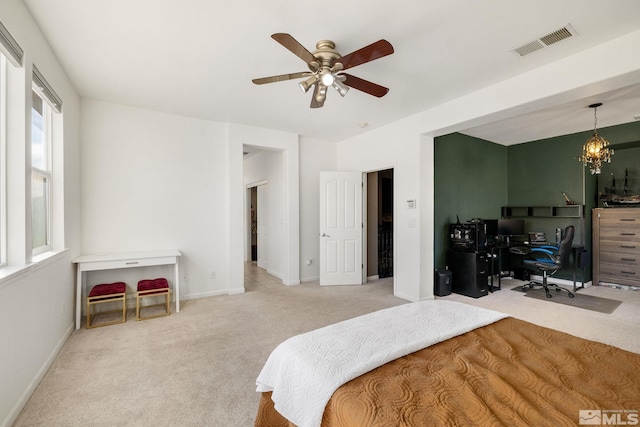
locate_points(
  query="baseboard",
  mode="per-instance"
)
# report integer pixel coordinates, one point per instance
(26, 395)
(275, 274)
(375, 277)
(310, 279)
(205, 294)
(405, 297)
(563, 282)
(284, 282)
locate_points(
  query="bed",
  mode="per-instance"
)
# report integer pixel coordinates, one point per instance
(440, 362)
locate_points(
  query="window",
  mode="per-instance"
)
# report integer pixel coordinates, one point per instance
(31, 214)
(40, 174)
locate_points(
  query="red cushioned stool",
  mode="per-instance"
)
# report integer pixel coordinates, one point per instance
(152, 288)
(108, 292)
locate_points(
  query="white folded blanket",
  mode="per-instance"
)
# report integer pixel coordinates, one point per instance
(305, 370)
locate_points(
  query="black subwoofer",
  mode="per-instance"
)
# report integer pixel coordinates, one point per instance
(442, 282)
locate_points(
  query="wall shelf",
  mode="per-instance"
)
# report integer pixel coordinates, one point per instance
(562, 211)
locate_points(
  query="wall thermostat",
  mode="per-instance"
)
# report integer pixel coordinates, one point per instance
(411, 204)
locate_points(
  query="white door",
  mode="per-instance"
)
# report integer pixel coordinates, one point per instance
(262, 231)
(340, 228)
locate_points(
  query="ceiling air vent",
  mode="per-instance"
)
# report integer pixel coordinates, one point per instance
(547, 40)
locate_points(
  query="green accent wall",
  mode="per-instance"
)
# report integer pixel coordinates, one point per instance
(470, 182)
(538, 173)
(474, 178)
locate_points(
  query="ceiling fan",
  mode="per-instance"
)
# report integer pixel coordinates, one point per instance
(326, 66)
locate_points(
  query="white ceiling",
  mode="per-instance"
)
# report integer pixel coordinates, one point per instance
(197, 57)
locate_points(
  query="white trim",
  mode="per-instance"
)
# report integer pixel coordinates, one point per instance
(257, 184)
(47, 134)
(3, 161)
(554, 280)
(11, 273)
(204, 294)
(364, 220)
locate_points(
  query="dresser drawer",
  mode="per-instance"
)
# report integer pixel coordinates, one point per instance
(618, 216)
(620, 259)
(620, 232)
(619, 247)
(624, 275)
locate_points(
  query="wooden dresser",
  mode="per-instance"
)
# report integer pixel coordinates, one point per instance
(616, 246)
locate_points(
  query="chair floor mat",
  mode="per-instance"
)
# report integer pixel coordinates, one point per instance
(587, 302)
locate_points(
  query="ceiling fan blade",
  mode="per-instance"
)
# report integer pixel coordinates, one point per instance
(364, 85)
(280, 78)
(294, 46)
(368, 53)
(315, 103)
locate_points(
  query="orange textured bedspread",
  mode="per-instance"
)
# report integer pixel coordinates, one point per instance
(510, 373)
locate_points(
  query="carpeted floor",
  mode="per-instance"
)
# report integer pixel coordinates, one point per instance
(198, 367)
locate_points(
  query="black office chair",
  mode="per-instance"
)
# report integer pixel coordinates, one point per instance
(550, 260)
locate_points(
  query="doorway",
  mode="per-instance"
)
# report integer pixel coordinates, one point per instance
(257, 224)
(253, 223)
(379, 249)
(272, 156)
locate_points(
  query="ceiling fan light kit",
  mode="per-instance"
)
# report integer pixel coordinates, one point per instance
(340, 86)
(326, 66)
(305, 85)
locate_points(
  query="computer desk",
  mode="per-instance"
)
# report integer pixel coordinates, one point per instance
(495, 253)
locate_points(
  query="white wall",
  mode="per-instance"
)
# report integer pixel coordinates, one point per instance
(160, 181)
(155, 181)
(36, 306)
(375, 151)
(315, 156)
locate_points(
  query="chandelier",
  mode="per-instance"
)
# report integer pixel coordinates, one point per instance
(596, 150)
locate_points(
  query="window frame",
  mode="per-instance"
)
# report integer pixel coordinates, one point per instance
(45, 174)
(3, 160)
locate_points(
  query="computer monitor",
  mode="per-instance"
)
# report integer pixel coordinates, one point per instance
(510, 227)
(491, 227)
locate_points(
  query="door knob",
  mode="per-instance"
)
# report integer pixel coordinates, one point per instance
(324, 235)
